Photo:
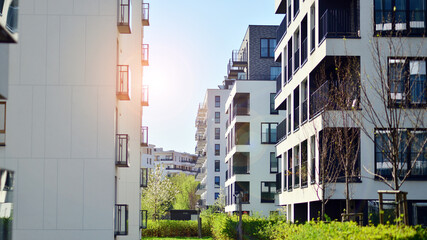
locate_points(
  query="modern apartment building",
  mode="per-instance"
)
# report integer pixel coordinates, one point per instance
(210, 137)
(73, 118)
(175, 162)
(251, 127)
(315, 40)
(147, 157)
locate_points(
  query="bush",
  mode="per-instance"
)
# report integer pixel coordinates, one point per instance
(174, 228)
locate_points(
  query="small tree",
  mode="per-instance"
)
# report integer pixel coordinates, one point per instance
(159, 194)
(187, 186)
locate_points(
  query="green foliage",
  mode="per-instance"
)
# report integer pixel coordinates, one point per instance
(187, 187)
(174, 228)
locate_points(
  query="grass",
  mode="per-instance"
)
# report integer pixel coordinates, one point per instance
(170, 238)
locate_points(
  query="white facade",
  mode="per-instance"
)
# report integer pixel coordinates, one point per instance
(175, 162)
(250, 147)
(212, 176)
(64, 110)
(147, 157)
(350, 35)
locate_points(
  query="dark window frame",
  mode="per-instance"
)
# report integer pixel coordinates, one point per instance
(217, 166)
(270, 138)
(269, 185)
(217, 149)
(217, 182)
(217, 101)
(274, 164)
(217, 133)
(270, 47)
(217, 117)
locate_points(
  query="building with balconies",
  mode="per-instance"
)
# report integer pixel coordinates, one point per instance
(315, 41)
(211, 142)
(251, 127)
(74, 114)
(174, 162)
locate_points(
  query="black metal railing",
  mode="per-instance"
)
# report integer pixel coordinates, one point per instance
(122, 152)
(145, 14)
(337, 23)
(122, 90)
(279, 182)
(240, 170)
(304, 113)
(296, 118)
(145, 52)
(319, 99)
(281, 130)
(142, 219)
(144, 95)
(296, 60)
(143, 180)
(239, 56)
(121, 219)
(304, 51)
(281, 30)
(279, 83)
(144, 136)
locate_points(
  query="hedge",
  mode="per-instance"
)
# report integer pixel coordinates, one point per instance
(174, 228)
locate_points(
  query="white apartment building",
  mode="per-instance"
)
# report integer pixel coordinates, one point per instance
(312, 37)
(73, 118)
(174, 162)
(211, 144)
(147, 157)
(251, 128)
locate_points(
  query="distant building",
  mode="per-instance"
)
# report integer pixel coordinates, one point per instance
(175, 162)
(210, 148)
(251, 127)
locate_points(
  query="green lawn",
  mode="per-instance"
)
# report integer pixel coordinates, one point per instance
(171, 238)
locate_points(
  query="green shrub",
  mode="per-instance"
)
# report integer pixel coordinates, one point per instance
(174, 228)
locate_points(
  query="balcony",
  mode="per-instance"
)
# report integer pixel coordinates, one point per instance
(143, 180)
(241, 163)
(122, 150)
(233, 72)
(142, 219)
(121, 220)
(123, 82)
(337, 23)
(281, 30)
(319, 99)
(145, 52)
(124, 21)
(240, 58)
(144, 96)
(281, 131)
(144, 136)
(9, 21)
(145, 19)
(241, 104)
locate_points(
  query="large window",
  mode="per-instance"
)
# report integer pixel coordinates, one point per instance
(402, 16)
(269, 133)
(217, 117)
(304, 168)
(407, 79)
(267, 47)
(313, 159)
(268, 190)
(217, 166)
(274, 72)
(243, 189)
(274, 163)
(217, 101)
(217, 182)
(217, 133)
(217, 150)
(412, 152)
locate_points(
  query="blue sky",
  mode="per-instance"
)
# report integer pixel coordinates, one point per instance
(190, 44)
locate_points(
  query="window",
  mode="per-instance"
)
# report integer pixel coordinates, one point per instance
(268, 190)
(217, 117)
(407, 79)
(272, 110)
(217, 183)
(297, 169)
(304, 159)
(217, 101)
(216, 195)
(243, 188)
(2, 123)
(412, 151)
(217, 166)
(275, 72)
(274, 164)
(268, 133)
(217, 133)
(406, 16)
(313, 159)
(217, 150)
(267, 47)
